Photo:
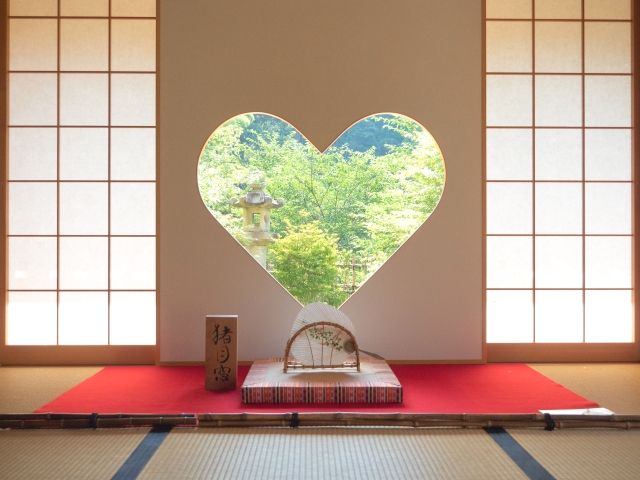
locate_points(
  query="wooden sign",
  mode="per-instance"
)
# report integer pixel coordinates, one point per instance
(221, 352)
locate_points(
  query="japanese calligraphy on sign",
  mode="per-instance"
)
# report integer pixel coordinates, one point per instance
(221, 346)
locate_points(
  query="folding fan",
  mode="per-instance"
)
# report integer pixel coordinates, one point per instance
(321, 337)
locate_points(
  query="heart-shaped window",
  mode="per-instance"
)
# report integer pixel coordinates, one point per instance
(321, 222)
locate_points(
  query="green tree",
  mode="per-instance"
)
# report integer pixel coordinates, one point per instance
(305, 263)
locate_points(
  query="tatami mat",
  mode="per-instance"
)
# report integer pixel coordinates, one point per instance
(584, 454)
(26, 388)
(353, 453)
(615, 386)
(66, 454)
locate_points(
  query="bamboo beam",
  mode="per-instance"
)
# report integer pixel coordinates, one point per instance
(283, 420)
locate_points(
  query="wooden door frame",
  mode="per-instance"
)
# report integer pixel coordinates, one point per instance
(581, 352)
(59, 354)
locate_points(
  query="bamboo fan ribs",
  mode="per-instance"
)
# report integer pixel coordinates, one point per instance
(321, 337)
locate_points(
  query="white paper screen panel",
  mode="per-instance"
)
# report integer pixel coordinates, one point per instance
(509, 208)
(509, 262)
(558, 47)
(84, 263)
(509, 47)
(559, 154)
(608, 101)
(559, 174)
(32, 44)
(33, 99)
(83, 318)
(32, 263)
(558, 208)
(133, 8)
(84, 99)
(32, 208)
(84, 44)
(32, 153)
(84, 8)
(133, 154)
(607, 9)
(509, 100)
(133, 45)
(558, 262)
(509, 154)
(31, 318)
(558, 9)
(559, 316)
(81, 190)
(33, 8)
(508, 8)
(84, 154)
(511, 312)
(133, 318)
(558, 100)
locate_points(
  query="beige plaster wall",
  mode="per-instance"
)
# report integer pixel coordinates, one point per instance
(321, 65)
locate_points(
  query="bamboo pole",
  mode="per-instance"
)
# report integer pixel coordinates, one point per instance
(332, 419)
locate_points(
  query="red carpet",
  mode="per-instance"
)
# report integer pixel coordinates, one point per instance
(490, 388)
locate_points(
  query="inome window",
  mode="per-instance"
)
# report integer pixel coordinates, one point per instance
(81, 172)
(558, 169)
(322, 223)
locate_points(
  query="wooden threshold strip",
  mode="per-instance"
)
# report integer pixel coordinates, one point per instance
(222, 420)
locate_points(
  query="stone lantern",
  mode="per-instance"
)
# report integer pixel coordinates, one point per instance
(256, 208)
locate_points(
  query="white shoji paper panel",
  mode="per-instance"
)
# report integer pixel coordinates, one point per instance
(84, 263)
(84, 44)
(33, 44)
(608, 154)
(559, 47)
(83, 208)
(32, 208)
(509, 152)
(84, 99)
(83, 318)
(509, 208)
(84, 154)
(559, 316)
(558, 208)
(509, 100)
(133, 263)
(508, 47)
(608, 208)
(509, 316)
(133, 154)
(509, 9)
(608, 262)
(32, 154)
(509, 262)
(31, 318)
(558, 154)
(133, 208)
(133, 318)
(558, 262)
(133, 45)
(608, 316)
(33, 99)
(32, 263)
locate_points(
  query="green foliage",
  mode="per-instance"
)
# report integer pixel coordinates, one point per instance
(367, 193)
(305, 263)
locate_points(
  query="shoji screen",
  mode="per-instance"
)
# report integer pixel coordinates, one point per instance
(81, 172)
(559, 173)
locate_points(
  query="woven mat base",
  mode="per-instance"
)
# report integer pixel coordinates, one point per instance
(376, 383)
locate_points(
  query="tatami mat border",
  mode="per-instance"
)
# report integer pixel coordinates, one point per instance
(293, 419)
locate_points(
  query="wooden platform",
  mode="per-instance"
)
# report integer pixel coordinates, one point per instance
(376, 383)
